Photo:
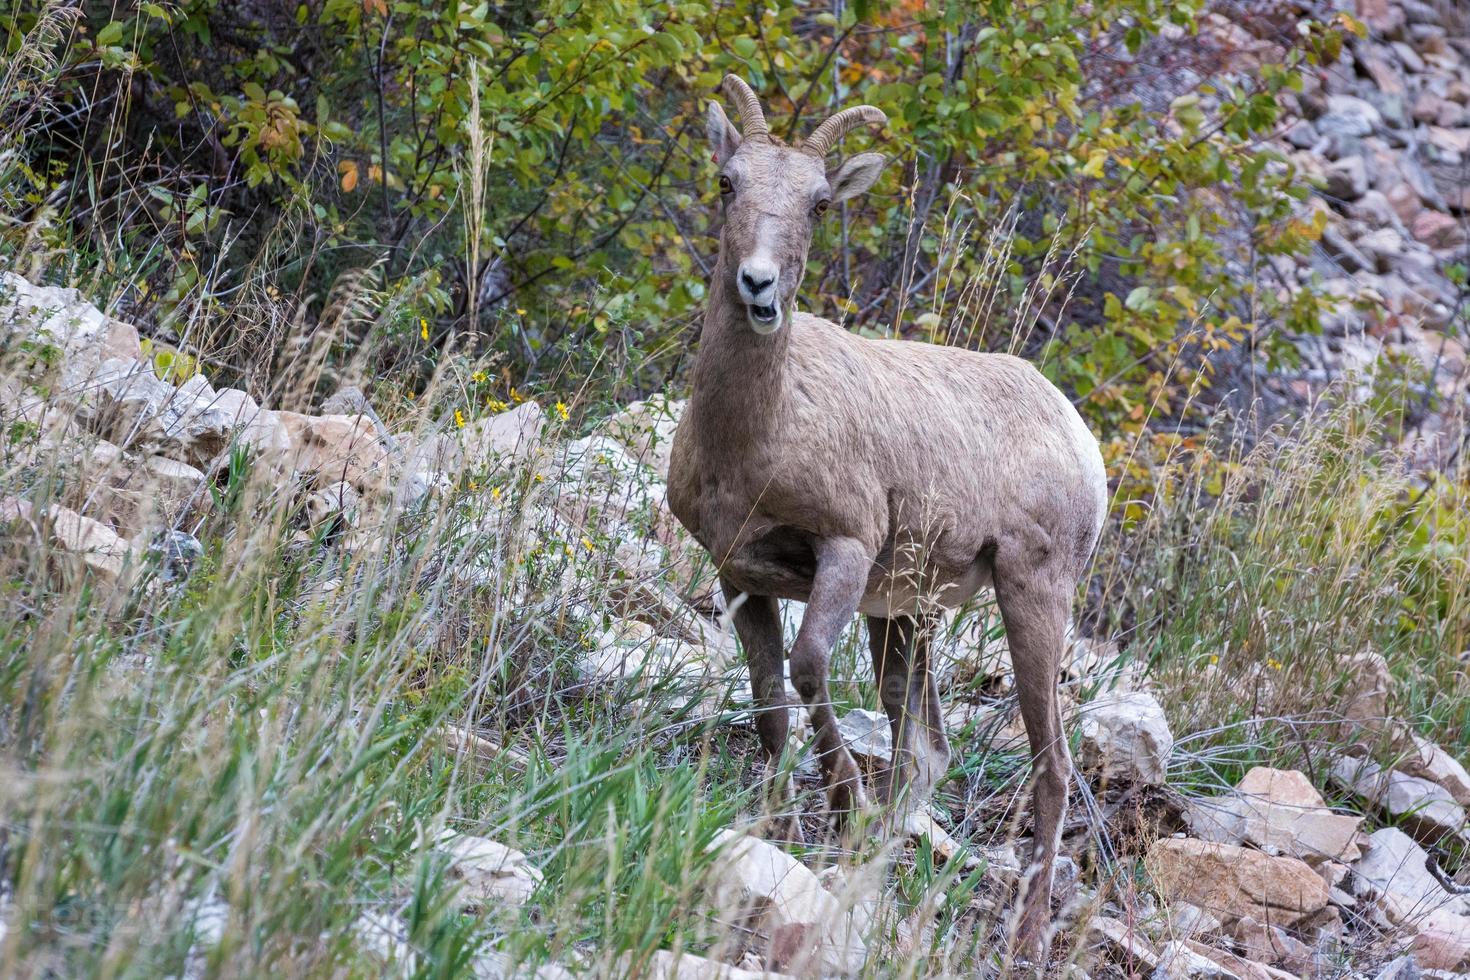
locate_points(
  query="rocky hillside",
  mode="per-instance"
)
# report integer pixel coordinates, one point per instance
(1384, 134)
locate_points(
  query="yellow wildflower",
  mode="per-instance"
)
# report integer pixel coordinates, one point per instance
(1214, 660)
(520, 311)
(459, 418)
(561, 409)
(495, 492)
(1274, 664)
(495, 404)
(587, 543)
(516, 396)
(540, 478)
(423, 328)
(479, 377)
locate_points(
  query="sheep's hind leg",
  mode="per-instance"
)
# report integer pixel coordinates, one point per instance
(758, 624)
(837, 588)
(900, 649)
(1034, 606)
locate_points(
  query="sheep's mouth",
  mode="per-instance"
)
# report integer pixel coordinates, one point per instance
(763, 319)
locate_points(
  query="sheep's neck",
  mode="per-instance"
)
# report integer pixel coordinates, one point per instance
(738, 374)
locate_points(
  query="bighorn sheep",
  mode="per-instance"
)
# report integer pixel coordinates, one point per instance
(882, 476)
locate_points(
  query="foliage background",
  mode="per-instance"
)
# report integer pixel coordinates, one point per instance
(530, 178)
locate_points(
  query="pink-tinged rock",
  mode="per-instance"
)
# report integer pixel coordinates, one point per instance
(1368, 687)
(1437, 229)
(1385, 17)
(121, 340)
(337, 448)
(1280, 812)
(1443, 942)
(757, 886)
(1454, 140)
(1233, 882)
(1404, 200)
(88, 546)
(1267, 943)
(1428, 761)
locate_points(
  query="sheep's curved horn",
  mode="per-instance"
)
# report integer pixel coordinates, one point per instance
(826, 136)
(752, 119)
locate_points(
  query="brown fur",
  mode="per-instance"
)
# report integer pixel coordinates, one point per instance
(883, 476)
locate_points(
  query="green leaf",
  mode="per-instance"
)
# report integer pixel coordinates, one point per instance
(110, 35)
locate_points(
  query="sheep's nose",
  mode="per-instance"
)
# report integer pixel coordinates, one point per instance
(756, 286)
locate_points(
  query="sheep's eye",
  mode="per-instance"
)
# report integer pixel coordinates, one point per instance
(725, 186)
(820, 208)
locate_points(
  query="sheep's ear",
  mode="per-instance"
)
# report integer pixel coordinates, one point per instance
(856, 175)
(724, 139)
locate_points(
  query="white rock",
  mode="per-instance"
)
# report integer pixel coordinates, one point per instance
(58, 316)
(1125, 736)
(1402, 968)
(483, 444)
(869, 737)
(421, 485)
(1178, 962)
(603, 490)
(668, 965)
(1123, 943)
(494, 875)
(1384, 246)
(1349, 116)
(383, 936)
(196, 387)
(1429, 761)
(128, 403)
(755, 885)
(921, 823)
(235, 405)
(1426, 807)
(335, 506)
(174, 554)
(646, 430)
(1347, 179)
(207, 920)
(1189, 921)
(1395, 863)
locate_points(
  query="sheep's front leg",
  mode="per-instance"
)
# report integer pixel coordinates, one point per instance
(837, 588)
(758, 624)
